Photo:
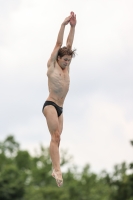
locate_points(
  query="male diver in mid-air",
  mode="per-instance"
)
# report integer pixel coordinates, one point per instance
(58, 84)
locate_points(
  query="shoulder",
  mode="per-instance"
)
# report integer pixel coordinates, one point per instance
(51, 66)
(54, 54)
(50, 63)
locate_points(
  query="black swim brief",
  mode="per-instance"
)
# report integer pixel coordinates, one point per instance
(58, 108)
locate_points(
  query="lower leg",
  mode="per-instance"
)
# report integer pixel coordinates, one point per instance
(55, 157)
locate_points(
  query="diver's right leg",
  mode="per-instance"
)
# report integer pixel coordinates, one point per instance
(54, 129)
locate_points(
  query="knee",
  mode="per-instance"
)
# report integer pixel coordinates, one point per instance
(56, 137)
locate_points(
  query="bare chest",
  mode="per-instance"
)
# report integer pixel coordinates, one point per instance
(59, 77)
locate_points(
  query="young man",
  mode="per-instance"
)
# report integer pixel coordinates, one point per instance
(58, 83)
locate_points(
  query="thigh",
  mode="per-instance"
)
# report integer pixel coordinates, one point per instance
(61, 123)
(52, 119)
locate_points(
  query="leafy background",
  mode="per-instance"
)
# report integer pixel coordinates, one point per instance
(26, 177)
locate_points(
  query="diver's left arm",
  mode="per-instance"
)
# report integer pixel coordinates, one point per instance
(72, 31)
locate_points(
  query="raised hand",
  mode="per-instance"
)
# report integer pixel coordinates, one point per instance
(73, 19)
(67, 20)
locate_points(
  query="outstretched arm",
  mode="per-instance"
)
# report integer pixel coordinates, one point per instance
(59, 40)
(72, 30)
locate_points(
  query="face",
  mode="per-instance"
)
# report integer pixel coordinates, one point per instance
(64, 61)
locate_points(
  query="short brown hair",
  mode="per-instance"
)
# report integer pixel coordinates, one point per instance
(66, 51)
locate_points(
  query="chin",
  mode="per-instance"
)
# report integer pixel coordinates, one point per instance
(63, 67)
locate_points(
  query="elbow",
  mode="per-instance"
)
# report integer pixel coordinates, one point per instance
(58, 44)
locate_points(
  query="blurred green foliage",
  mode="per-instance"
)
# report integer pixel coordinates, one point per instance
(26, 177)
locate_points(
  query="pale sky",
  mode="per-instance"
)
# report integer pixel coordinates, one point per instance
(98, 110)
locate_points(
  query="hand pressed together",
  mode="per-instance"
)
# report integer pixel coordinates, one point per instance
(67, 20)
(70, 19)
(73, 19)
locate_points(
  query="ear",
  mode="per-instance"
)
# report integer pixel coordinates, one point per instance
(58, 57)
